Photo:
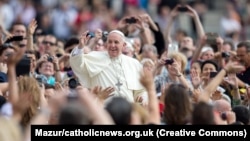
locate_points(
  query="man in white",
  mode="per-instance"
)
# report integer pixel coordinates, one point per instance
(110, 68)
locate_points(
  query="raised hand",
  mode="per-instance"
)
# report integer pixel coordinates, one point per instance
(44, 57)
(101, 93)
(177, 66)
(122, 23)
(98, 34)
(147, 78)
(196, 95)
(175, 11)
(195, 79)
(232, 80)
(192, 12)
(83, 39)
(32, 27)
(234, 67)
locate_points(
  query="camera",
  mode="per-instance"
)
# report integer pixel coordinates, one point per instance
(41, 80)
(91, 34)
(105, 35)
(169, 61)
(73, 83)
(225, 54)
(182, 9)
(131, 20)
(50, 59)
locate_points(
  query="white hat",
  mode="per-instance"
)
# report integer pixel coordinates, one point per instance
(206, 48)
(118, 32)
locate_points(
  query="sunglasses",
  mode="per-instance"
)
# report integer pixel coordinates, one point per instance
(47, 42)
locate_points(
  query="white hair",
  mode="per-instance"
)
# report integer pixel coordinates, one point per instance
(206, 48)
(129, 44)
(118, 32)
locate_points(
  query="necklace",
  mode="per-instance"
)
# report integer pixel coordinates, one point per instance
(118, 84)
(116, 63)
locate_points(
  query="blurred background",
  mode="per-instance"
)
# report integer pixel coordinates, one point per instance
(64, 18)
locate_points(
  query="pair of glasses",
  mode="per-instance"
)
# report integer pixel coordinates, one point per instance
(47, 42)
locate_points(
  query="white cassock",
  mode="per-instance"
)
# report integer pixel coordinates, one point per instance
(98, 69)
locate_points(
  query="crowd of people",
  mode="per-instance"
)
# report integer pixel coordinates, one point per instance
(135, 73)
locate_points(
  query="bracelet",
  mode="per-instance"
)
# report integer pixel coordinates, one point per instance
(179, 75)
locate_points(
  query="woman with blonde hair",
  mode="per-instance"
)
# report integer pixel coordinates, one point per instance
(29, 88)
(175, 64)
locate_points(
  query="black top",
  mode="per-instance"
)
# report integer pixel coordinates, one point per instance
(245, 76)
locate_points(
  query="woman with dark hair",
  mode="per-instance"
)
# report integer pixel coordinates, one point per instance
(209, 69)
(203, 114)
(178, 107)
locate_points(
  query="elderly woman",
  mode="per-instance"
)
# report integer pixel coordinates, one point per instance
(175, 64)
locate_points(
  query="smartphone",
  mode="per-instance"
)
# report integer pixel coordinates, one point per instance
(14, 38)
(213, 74)
(225, 54)
(131, 20)
(183, 9)
(211, 38)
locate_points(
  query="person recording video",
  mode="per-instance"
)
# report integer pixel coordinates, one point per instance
(48, 68)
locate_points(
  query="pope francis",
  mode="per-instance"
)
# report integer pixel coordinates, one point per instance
(109, 68)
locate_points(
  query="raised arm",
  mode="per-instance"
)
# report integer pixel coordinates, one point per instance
(148, 20)
(171, 18)
(31, 30)
(13, 88)
(147, 80)
(231, 67)
(95, 109)
(197, 21)
(197, 52)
